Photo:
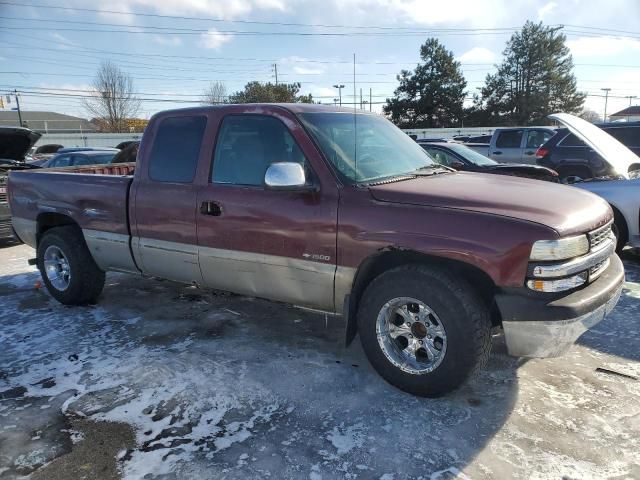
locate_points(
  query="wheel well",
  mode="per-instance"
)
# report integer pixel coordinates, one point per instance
(389, 259)
(49, 220)
(618, 217)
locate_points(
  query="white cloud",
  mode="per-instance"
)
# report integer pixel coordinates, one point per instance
(605, 46)
(224, 9)
(214, 39)
(478, 55)
(169, 40)
(546, 9)
(473, 12)
(308, 70)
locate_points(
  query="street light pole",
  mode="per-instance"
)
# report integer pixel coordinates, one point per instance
(339, 86)
(606, 99)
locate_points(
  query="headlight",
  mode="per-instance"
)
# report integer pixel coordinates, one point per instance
(560, 249)
(558, 285)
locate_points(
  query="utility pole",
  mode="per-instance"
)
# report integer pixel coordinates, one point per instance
(606, 99)
(630, 97)
(339, 86)
(275, 69)
(370, 98)
(18, 106)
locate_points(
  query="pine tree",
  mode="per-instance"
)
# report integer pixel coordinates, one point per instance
(433, 94)
(534, 80)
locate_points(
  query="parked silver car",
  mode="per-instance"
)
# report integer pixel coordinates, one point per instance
(623, 191)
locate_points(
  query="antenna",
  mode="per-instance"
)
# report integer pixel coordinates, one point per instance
(355, 131)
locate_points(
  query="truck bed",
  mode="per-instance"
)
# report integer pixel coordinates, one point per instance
(94, 196)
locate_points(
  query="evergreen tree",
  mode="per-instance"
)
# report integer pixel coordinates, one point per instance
(433, 94)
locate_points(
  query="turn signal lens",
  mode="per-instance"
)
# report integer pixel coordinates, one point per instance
(558, 285)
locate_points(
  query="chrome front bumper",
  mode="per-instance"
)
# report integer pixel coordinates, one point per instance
(553, 337)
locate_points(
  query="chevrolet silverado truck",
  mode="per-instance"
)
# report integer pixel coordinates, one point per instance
(336, 211)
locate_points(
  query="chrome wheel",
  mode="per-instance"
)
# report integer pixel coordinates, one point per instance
(411, 335)
(56, 268)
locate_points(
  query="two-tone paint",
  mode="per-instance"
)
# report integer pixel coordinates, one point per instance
(310, 247)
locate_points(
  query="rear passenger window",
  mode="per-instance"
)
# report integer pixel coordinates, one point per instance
(176, 147)
(509, 139)
(61, 161)
(247, 145)
(571, 141)
(535, 138)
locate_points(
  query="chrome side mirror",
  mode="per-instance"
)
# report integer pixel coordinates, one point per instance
(285, 176)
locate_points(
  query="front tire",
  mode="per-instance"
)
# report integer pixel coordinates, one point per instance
(67, 267)
(424, 330)
(620, 231)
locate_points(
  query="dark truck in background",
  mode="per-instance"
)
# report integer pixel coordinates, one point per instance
(341, 212)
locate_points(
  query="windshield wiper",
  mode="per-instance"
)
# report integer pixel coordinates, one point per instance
(434, 169)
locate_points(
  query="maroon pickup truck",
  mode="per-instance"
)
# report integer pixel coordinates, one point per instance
(340, 212)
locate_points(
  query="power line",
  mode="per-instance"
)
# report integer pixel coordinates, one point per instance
(221, 20)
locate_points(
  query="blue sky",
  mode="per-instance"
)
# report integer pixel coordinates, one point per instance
(56, 51)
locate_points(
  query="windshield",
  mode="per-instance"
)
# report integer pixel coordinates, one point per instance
(375, 149)
(470, 154)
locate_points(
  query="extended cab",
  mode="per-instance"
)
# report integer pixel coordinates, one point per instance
(514, 145)
(336, 211)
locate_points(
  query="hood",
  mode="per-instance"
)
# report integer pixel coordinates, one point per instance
(611, 150)
(15, 142)
(565, 209)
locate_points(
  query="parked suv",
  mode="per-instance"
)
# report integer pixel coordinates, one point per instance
(575, 161)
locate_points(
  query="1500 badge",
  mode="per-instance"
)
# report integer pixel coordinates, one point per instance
(315, 256)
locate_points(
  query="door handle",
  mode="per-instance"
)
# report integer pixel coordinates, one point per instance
(497, 153)
(530, 152)
(210, 208)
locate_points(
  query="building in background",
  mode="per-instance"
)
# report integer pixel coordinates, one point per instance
(46, 122)
(630, 114)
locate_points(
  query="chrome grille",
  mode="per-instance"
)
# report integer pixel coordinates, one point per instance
(599, 236)
(3, 188)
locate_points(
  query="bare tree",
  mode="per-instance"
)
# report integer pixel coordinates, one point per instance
(590, 115)
(113, 101)
(215, 93)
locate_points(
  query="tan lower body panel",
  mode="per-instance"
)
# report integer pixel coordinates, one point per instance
(284, 279)
(110, 250)
(26, 230)
(300, 282)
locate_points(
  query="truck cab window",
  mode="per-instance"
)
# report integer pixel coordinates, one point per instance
(176, 149)
(509, 139)
(247, 145)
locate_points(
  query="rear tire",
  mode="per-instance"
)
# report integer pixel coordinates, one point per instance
(457, 319)
(67, 267)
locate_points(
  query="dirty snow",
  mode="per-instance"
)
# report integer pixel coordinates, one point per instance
(217, 385)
